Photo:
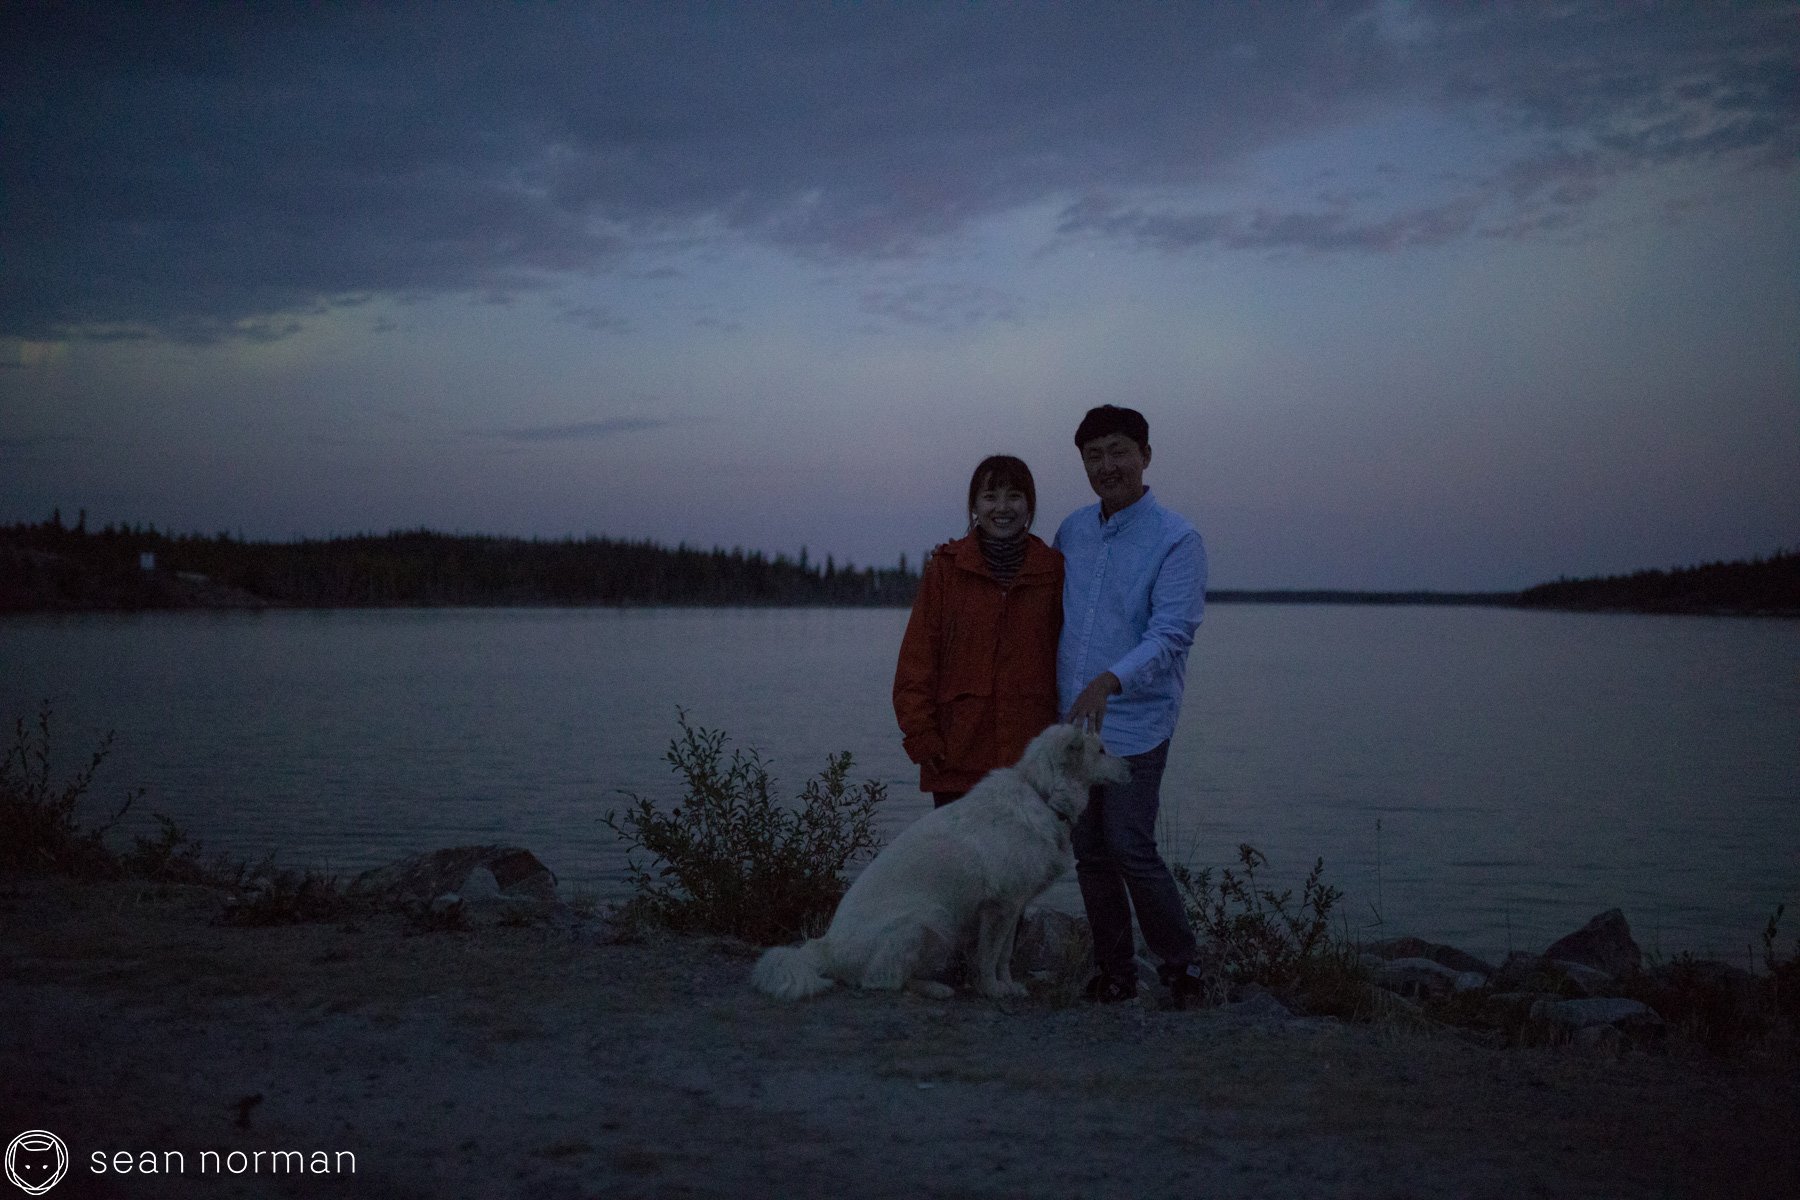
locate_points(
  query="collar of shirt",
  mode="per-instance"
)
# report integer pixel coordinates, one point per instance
(1126, 516)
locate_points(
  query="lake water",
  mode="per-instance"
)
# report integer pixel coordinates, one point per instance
(1481, 776)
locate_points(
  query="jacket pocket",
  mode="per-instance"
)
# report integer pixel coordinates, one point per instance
(969, 733)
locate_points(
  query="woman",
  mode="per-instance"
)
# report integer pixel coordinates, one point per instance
(977, 674)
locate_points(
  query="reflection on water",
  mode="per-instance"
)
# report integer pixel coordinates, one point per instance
(1481, 776)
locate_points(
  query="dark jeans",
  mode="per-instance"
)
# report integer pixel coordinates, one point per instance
(1119, 869)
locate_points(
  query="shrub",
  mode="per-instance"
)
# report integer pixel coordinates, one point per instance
(1784, 973)
(293, 897)
(1259, 938)
(39, 825)
(1720, 1007)
(729, 859)
(173, 857)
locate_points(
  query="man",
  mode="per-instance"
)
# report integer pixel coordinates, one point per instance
(1134, 589)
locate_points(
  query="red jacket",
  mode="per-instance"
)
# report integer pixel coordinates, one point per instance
(977, 674)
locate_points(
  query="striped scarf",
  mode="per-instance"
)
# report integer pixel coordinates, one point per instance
(1003, 557)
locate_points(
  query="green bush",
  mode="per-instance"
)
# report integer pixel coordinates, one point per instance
(1257, 936)
(729, 859)
(40, 829)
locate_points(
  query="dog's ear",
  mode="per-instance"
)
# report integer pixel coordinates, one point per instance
(1082, 755)
(1047, 758)
(1078, 753)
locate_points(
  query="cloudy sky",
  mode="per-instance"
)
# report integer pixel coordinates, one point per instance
(1413, 295)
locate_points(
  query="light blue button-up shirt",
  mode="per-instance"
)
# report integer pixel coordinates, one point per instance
(1134, 591)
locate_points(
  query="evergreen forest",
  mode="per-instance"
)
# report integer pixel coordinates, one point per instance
(57, 566)
(1753, 587)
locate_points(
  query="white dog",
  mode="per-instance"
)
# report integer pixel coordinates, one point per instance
(975, 863)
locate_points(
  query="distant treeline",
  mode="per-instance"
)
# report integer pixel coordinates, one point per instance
(1758, 587)
(1331, 596)
(53, 566)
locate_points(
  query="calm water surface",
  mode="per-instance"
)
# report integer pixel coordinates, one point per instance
(1486, 777)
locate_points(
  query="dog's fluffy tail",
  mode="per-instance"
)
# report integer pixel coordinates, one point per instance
(792, 972)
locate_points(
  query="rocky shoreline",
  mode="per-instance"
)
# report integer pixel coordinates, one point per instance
(466, 1033)
(1591, 988)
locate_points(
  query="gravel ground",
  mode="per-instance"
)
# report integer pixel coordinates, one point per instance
(550, 1062)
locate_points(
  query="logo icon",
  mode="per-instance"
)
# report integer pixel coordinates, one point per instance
(36, 1160)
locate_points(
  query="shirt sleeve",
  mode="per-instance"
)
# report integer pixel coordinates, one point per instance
(1177, 604)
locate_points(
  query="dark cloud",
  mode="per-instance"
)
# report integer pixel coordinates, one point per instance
(597, 318)
(223, 172)
(1341, 225)
(943, 306)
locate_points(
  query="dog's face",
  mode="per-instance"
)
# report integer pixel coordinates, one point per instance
(1064, 761)
(1086, 758)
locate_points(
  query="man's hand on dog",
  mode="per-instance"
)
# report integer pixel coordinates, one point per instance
(1089, 709)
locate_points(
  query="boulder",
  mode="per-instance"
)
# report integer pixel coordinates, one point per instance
(1050, 943)
(1608, 1024)
(1412, 947)
(1607, 1010)
(515, 873)
(481, 886)
(1604, 943)
(1583, 979)
(1418, 978)
(1539, 973)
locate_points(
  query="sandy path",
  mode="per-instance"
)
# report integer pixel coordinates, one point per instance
(546, 1063)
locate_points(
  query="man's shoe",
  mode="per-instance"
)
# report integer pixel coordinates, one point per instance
(1185, 981)
(1109, 989)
